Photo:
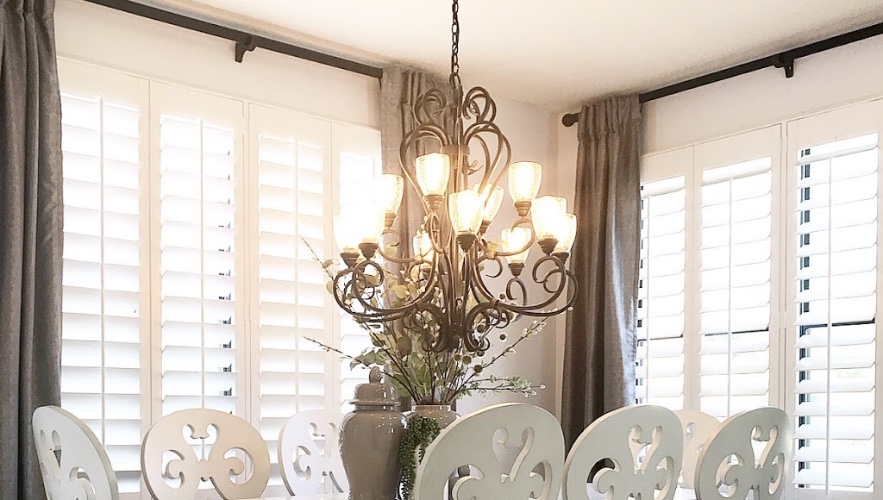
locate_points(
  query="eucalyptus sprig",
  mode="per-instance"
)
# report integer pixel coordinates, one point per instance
(419, 433)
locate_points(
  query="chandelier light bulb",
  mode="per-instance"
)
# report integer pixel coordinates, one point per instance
(566, 234)
(433, 172)
(513, 240)
(348, 238)
(390, 191)
(493, 199)
(465, 209)
(548, 214)
(422, 246)
(524, 184)
(370, 224)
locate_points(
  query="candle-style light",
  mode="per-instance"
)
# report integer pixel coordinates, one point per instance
(547, 214)
(391, 189)
(514, 240)
(524, 184)
(433, 173)
(492, 196)
(566, 236)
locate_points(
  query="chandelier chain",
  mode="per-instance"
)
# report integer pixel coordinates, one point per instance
(455, 38)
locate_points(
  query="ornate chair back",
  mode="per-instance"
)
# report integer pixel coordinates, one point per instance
(730, 465)
(536, 472)
(633, 452)
(309, 455)
(198, 442)
(81, 468)
(698, 427)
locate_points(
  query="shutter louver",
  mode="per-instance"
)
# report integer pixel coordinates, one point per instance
(198, 265)
(835, 283)
(294, 302)
(101, 304)
(661, 294)
(735, 287)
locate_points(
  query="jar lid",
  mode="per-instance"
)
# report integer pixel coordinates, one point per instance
(377, 392)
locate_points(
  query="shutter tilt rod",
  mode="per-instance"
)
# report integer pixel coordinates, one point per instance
(783, 60)
(245, 42)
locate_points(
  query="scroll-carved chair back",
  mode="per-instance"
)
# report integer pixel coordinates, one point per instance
(179, 478)
(536, 472)
(309, 454)
(633, 452)
(698, 427)
(73, 463)
(751, 450)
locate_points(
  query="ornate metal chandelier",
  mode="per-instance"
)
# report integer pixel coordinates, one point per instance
(451, 250)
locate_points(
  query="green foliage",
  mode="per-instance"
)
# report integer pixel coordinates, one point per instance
(419, 433)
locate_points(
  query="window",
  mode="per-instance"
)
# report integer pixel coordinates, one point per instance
(188, 281)
(780, 264)
(833, 230)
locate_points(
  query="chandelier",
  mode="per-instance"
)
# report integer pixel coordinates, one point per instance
(452, 254)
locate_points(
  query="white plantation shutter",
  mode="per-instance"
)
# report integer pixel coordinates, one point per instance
(201, 313)
(291, 202)
(357, 157)
(662, 293)
(835, 188)
(102, 305)
(735, 287)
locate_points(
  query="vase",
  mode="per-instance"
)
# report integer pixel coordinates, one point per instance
(369, 441)
(443, 414)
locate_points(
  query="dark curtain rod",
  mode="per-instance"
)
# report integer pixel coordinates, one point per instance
(784, 60)
(245, 42)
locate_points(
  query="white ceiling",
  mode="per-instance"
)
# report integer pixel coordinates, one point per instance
(556, 53)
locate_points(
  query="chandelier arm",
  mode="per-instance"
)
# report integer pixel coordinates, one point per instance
(516, 281)
(472, 107)
(524, 221)
(375, 312)
(504, 146)
(430, 105)
(482, 285)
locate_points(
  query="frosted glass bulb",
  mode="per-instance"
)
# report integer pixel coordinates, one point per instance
(422, 246)
(390, 191)
(524, 180)
(465, 209)
(566, 234)
(493, 199)
(433, 171)
(513, 240)
(348, 238)
(548, 213)
(370, 224)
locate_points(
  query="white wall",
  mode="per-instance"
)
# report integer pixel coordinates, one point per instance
(821, 82)
(94, 34)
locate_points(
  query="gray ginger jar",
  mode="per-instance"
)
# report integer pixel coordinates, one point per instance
(369, 441)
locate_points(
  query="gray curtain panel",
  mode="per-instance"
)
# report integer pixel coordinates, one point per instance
(31, 212)
(599, 356)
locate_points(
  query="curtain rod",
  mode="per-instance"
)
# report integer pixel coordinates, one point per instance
(784, 60)
(245, 42)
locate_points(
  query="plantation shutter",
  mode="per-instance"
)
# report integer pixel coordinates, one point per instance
(357, 158)
(103, 308)
(660, 370)
(198, 144)
(290, 304)
(735, 279)
(835, 186)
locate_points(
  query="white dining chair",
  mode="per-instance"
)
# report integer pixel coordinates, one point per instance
(536, 472)
(309, 455)
(72, 461)
(750, 452)
(634, 452)
(698, 427)
(214, 433)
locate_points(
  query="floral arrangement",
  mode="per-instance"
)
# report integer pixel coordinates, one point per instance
(428, 377)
